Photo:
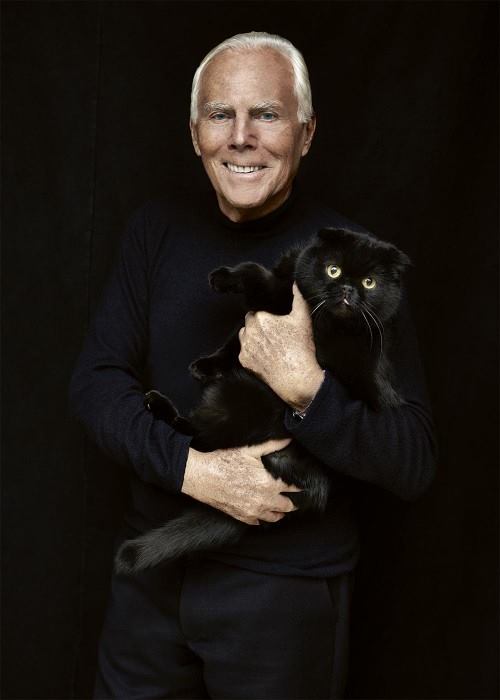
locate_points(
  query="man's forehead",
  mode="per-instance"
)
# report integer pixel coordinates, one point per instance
(261, 75)
(269, 57)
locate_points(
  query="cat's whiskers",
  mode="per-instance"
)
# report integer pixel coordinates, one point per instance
(369, 328)
(318, 306)
(314, 297)
(369, 308)
(378, 324)
(375, 317)
(372, 309)
(321, 295)
(320, 312)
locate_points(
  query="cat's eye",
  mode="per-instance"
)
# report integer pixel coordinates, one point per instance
(369, 283)
(333, 271)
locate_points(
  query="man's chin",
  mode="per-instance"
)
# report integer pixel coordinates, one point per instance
(257, 203)
(246, 198)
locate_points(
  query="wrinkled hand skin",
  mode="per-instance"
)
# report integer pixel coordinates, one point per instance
(280, 351)
(235, 481)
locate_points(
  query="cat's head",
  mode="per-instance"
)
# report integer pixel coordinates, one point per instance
(350, 274)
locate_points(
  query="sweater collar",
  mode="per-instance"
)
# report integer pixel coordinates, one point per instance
(261, 226)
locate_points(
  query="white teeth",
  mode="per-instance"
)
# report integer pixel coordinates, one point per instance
(243, 168)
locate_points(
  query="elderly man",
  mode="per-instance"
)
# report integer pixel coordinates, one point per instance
(266, 618)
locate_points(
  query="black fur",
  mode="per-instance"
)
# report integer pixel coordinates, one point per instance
(352, 328)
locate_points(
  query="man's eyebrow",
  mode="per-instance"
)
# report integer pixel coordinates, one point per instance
(216, 107)
(223, 107)
(267, 104)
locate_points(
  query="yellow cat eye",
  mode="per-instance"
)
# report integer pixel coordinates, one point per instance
(369, 283)
(333, 271)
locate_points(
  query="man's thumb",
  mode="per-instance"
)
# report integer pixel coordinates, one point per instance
(299, 304)
(265, 448)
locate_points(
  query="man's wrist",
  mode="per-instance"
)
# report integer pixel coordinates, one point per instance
(191, 472)
(301, 406)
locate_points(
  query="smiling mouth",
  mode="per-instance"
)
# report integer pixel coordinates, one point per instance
(243, 169)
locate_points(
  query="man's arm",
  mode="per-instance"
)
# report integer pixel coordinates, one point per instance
(107, 396)
(393, 448)
(106, 390)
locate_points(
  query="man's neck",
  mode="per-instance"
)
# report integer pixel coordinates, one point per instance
(243, 214)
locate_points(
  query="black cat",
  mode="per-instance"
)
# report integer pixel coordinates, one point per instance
(351, 282)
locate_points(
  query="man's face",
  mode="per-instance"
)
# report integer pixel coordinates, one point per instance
(248, 134)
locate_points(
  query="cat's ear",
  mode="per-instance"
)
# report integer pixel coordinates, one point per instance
(399, 260)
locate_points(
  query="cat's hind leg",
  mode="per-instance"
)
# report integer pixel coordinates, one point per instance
(211, 367)
(296, 466)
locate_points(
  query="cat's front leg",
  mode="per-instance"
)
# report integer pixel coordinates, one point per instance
(238, 279)
(262, 289)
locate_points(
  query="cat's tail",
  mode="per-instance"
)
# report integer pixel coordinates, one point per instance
(194, 531)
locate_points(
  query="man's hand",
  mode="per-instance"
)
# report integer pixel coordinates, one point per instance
(280, 350)
(236, 482)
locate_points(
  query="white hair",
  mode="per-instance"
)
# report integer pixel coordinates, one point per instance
(259, 40)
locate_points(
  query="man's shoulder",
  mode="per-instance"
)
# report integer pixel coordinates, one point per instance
(164, 208)
(175, 207)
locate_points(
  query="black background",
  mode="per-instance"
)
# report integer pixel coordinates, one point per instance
(95, 121)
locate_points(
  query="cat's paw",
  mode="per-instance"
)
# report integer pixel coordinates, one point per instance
(298, 498)
(223, 279)
(205, 369)
(154, 398)
(160, 406)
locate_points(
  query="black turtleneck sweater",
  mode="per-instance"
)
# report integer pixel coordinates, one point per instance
(157, 314)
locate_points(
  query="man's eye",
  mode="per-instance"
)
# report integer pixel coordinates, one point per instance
(267, 116)
(218, 116)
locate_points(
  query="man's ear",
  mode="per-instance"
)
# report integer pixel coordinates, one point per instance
(194, 137)
(310, 128)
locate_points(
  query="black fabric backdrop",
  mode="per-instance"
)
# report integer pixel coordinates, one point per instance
(95, 122)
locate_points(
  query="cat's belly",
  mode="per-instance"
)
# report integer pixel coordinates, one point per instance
(237, 410)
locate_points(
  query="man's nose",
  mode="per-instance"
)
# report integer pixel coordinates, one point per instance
(242, 136)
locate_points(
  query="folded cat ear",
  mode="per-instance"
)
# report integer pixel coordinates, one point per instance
(398, 259)
(394, 257)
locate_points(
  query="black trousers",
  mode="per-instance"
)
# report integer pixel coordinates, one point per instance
(203, 629)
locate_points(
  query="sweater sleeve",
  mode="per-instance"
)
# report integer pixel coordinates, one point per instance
(106, 390)
(393, 448)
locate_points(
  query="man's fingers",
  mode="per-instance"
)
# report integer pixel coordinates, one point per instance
(285, 505)
(272, 516)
